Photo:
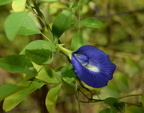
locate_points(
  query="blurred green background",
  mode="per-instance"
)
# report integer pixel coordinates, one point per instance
(122, 37)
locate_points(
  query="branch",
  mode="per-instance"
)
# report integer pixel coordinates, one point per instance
(121, 13)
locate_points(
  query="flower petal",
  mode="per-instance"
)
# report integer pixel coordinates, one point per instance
(99, 69)
(82, 59)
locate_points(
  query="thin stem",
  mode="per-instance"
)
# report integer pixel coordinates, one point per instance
(84, 94)
(64, 50)
(86, 88)
(41, 17)
(130, 96)
(46, 37)
(133, 104)
(90, 100)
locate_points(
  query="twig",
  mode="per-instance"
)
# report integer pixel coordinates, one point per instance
(121, 13)
(130, 96)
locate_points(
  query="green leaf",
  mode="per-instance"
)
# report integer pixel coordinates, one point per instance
(3, 2)
(15, 63)
(39, 44)
(39, 56)
(13, 23)
(18, 5)
(61, 23)
(8, 89)
(115, 104)
(68, 77)
(77, 41)
(30, 73)
(51, 98)
(68, 74)
(108, 110)
(69, 88)
(46, 74)
(13, 100)
(110, 101)
(28, 27)
(92, 22)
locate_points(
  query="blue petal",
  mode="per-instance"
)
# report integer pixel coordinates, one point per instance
(82, 59)
(95, 58)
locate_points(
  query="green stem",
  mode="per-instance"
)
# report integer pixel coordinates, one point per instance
(130, 96)
(67, 52)
(41, 16)
(133, 104)
(46, 37)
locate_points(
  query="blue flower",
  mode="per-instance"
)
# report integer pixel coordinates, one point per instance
(92, 66)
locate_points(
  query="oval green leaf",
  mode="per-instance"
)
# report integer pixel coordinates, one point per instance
(28, 27)
(77, 41)
(13, 23)
(13, 100)
(39, 44)
(92, 22)
(61, 23)
(38, 56)
(52, 97)
(15, 63)
(8, 89)
(47, 75)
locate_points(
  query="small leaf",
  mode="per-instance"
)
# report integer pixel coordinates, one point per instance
(92, 22)
(18, 5)
(39, 44)
(115, 104)
(8, 89)
(46, 74)
(30, 73)
(108, 110)
(69, 88)
(13, 23)
(61, 23)
(13, 100)
(39, 56)
(68, 77)
(77, 41)
(15, 63)
(68, 74)
(29, 27)
(110, 101)
(51, 98)
(3, 2)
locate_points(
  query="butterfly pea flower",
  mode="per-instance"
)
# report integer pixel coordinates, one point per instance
(91, 65)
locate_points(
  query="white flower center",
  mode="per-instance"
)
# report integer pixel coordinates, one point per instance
(92, 68)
